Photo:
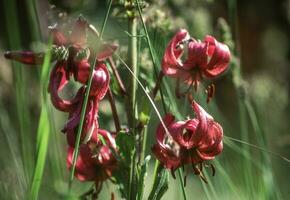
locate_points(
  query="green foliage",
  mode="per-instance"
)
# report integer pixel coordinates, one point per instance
(43, 131)
(160, 185)
(125, 145)
(141, 175)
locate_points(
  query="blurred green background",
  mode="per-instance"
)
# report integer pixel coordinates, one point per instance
(253, 107)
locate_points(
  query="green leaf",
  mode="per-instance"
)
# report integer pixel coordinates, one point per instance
(142, 173)
(160, 185)
(43, 131)
(145, 112)
(125, 144)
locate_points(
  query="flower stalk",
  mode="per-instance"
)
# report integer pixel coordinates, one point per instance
(132, 63)
(114, 110)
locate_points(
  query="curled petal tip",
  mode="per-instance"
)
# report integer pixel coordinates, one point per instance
(7, 54)
(25, 57)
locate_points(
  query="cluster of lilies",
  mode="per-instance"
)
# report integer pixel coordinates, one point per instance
(178, 143)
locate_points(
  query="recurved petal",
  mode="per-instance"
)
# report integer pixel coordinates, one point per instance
(182, 131)
(82, 71)
(100, 82)
(106, 51)
(167, 157)
(58, 36)
(160, 131)
(220, 58)
(85, 169)
(212, 138)
(25, 57)
(202, 116)
(171, 59)
(210, 154)
(78, 37)
(110, 139)
(58, 80)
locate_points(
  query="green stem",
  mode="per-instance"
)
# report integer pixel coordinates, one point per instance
(132, 87)
(114, 110)
(84, 108)
(144, 141)
(155, 172)
(19, 77)
(132, 63)
(151, 53)
(105, 20)
(181, 184)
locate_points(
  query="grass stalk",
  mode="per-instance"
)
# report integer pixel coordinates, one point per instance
(43, 131)
(12, 27)
(132, 57)
(181, 183)
(154, 62)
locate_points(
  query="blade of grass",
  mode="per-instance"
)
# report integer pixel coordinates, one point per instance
(12, 27)
(181, 183)
(154, 62)
(33, 20)
(43, 131)
(14, 157)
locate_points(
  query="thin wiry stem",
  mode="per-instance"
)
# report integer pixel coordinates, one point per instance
(181, 183)
(114, 110)
(105, 20)
(151, 52)
(117, 75)
(259, 148)
(158, 84)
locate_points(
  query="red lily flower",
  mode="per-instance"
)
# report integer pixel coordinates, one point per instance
(95, 161)
(99, 87)
(59, 78)
(90, 125)
(197, 140)
(71, 54)
(209, 58)
(167, 151)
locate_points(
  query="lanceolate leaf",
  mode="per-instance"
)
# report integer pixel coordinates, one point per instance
(142, 173)
(160, 184)
(125, 145)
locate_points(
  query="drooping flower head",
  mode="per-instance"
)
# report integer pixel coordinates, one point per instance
(209, 58)
(95, 161)
(198, 140)
(72, 54)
